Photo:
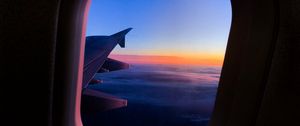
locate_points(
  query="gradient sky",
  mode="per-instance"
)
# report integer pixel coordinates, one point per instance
(183, 28)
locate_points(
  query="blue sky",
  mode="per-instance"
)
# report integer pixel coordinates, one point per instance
(164, 27)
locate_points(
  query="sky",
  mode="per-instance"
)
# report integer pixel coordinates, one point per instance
(194, 31)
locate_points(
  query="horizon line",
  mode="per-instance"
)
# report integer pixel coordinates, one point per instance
(165, 59)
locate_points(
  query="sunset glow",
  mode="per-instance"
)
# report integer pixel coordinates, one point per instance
(205, 60)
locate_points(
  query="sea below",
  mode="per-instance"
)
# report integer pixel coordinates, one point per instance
(158, 95)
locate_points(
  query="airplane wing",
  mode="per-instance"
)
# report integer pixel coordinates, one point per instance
(113, 65)
(97, 49)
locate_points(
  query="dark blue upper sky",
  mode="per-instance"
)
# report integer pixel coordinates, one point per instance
(164, 27)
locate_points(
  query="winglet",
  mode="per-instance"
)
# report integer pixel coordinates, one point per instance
(120, 36)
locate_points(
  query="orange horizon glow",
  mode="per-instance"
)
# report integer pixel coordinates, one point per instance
(203, 60)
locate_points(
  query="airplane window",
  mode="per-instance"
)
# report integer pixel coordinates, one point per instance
(168, 72)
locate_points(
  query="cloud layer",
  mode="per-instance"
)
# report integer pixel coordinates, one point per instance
(186, 92)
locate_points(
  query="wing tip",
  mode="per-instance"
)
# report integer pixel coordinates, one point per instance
(123, 32)
(121, 36)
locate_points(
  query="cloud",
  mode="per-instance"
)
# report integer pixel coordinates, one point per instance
(178, 94)
(163, 85)
(165, 74)
(156, 77)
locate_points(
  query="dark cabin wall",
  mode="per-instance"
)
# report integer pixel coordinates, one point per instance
(41, 52)
(27, 48)
(259, 84)
(281, 102)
